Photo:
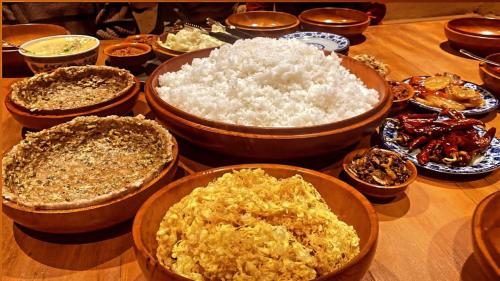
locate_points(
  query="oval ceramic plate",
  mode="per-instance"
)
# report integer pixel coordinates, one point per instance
(490, 101)
(489, 161)
(322, 40)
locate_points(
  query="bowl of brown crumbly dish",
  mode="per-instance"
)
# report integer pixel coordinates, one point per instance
(128, 55)
(86, 174)
(379, 173)
(256, 222)
(48, 99)
(402, 93)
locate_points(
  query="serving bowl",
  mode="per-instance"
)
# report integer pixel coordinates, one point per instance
(130, 62)
(163, 53)
(119, 106)
(485, 235)
(374, 190)
(490, 77)
(264, 23)
(343, 21)
(266, 143)
(348, 204)
(12, 61)
(399, 104)
(39, 64)
(93, 217)
(476, 34)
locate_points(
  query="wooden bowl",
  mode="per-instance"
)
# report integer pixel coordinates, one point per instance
(471, 38)
(264, 23)
(373, 190)
(132, 62)
(346, 22)
(95, 217)
(269, 143)
(490, 77)
(399, 104)
(488, 27)
(486, 235)
(12, 61)
(349, 205)
(120, 106)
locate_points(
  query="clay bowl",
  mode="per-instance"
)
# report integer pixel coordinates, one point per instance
(142, 38)
(39, 64)
(120, 106)
(486, 235)
(373, 190)
(264, 23)
(129, 62)
(349, 205)
(473, 38)
(95, 217)
(163, 53)
(342, 21)
(264, 143)
(12, 61)
(490, 77)
(400, 104)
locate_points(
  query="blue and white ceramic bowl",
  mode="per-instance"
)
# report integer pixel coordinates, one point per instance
(322, 40)
(490, 101)
(486, 163)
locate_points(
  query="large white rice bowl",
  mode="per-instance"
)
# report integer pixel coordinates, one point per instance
(266, 82)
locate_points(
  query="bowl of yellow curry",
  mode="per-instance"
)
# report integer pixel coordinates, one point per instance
(49, 53)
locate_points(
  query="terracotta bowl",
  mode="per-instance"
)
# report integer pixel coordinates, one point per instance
(468, 33)
(142, 38)
(264, 23)
(39, 64)
(269, 143)
(13, 64)
(349, 205)
(132, 62)
(486, 235)
(120, 106)
(373, 190)
(95, 217)
(399, 104)
(490, 77)
(346, 22)
(163, 53)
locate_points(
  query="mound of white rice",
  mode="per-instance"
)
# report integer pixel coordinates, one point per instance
(267, 83)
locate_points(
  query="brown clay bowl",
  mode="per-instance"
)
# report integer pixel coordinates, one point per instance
(12, 61)
(486, 235)
(491, 77)
(264, 23)
(342, 21)
(400, 104)
(269, 143)
(349, 205)
(477, 42)
(120, 106)
(142, 38)
(95, 217)
(373, 190)
(488, 27)
(130, 62)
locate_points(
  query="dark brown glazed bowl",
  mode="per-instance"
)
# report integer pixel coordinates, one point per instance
(264, 23)
(490, 77)
(128, 62)
(374, 190)
(347, 203)
(330, 20)
(477, 42)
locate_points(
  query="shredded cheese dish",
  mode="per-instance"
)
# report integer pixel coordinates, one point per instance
(189, 39)
(248, 225)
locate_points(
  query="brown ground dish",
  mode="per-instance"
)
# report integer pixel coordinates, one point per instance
(85, 161)
(71, 88)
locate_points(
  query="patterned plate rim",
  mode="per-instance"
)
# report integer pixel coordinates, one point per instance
(467, 112)
(290, 36)
(406, 155)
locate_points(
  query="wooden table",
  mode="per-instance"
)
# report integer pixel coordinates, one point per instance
(424, 235)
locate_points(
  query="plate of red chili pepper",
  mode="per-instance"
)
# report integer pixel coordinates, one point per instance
(445, 142)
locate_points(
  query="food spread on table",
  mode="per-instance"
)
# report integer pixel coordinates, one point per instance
(276, 229)
(60, 45)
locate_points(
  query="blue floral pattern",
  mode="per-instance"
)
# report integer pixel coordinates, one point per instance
(340, 43)
(489, 161)
(490, 101)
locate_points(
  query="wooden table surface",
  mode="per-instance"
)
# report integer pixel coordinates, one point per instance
(424, 234)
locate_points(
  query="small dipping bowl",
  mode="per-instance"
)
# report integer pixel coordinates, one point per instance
(131, 62)
(47, 63)
(264, 23)
(373, 190)
(346, 22)
(322, 40)
(490, 74)
(398, 104)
